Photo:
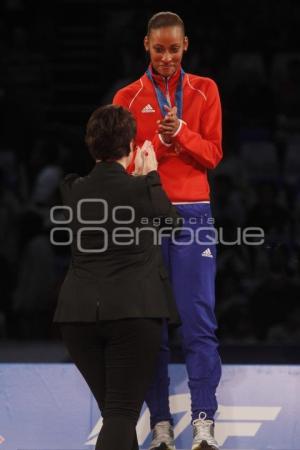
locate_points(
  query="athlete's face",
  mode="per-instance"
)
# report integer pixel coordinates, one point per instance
(166, 46)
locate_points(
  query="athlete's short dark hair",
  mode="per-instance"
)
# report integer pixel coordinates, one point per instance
(165, 19)
(109, 132)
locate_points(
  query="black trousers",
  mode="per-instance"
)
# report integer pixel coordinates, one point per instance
(117, 360)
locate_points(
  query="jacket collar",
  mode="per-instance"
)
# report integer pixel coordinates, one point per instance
(161, 81)
(108, 166)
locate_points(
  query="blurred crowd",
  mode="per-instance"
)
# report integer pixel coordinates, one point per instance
(60, 60)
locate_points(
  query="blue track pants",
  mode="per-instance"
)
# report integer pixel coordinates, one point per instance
(191, 263)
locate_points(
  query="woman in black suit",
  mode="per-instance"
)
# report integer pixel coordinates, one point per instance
(116, 293)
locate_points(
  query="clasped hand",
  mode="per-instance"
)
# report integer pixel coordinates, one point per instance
(169, 125)
(145, 159)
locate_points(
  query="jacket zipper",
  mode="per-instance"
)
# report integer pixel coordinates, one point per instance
(168, 93)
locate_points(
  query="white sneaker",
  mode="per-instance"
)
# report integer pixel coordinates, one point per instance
(203, 434)
(163, 437)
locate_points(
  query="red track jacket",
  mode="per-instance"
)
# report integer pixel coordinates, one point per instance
(183, 174)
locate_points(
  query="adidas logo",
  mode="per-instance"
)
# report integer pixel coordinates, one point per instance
(148, 109)
(207, 253)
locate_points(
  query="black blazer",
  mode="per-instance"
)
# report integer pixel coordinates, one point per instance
(127, 277)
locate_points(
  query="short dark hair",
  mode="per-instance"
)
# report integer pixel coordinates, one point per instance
(109, 132)
(165, 19)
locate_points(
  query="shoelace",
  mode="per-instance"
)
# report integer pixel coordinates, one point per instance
(162, 433)
(202, 430)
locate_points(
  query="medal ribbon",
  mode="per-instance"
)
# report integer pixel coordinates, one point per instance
(161, 98)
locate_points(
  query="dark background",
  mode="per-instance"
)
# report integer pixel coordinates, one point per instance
(59, 60)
